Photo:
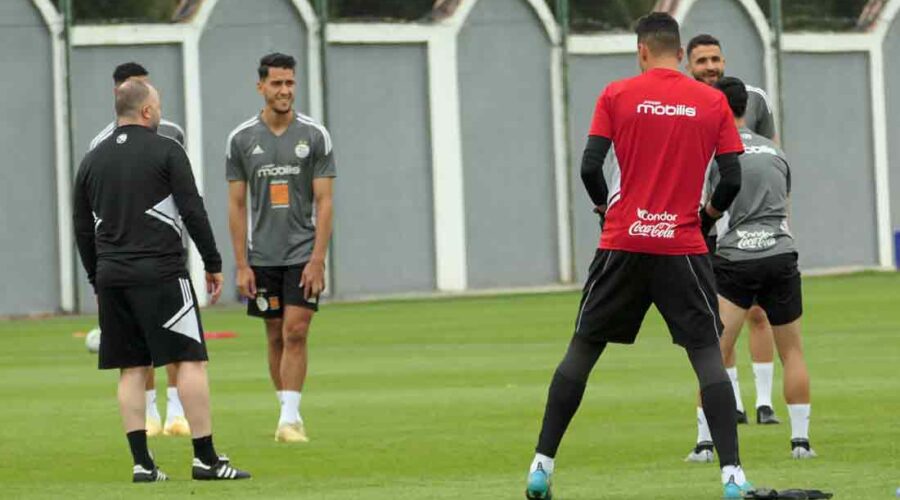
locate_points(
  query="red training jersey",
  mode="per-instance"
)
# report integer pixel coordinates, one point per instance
(665, 129)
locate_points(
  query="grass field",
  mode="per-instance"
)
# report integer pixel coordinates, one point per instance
(443, 399)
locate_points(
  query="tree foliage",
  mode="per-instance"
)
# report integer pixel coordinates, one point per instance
(122, 11)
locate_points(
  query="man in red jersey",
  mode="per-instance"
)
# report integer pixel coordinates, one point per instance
(663, 129)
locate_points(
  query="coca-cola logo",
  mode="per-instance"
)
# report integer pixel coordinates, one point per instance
(654, 225)
(755, 240)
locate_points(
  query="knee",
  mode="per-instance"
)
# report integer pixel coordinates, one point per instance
(296, 334)
(757, 317)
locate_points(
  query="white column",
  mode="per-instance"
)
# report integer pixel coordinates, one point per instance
(193, 113)
(561, 167)
(880, 136)
(65, 229)
(447, 164)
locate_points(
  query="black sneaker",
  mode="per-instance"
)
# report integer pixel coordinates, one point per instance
(142, 475)
(801, 450)
(765, 415)
(742, 417)
(217, 472)
(702, 453)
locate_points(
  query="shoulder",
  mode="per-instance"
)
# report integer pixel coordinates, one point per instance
(760, 144)
(102, 135)
(318, 130)
(171, 130)
(241, 132)
(758, 94)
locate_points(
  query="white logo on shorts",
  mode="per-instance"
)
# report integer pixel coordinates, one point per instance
(262, 304)
(654, 225)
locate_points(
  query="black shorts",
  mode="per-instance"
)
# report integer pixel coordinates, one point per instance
(150, 325)
(772, 282)
(277, 287)
(622, 285)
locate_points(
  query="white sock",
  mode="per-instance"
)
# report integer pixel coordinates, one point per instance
(763, 372)
(734, 471)
(152, 412)
(799, 421)
(280, 397)
(173, 404)
(703, 433)
(290, 408)
(544, 461)
(733, 375)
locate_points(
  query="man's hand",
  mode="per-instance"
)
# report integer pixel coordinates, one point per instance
(214, 282)
(708, 218)
(246, 282)
(313, 278)
(601, 211)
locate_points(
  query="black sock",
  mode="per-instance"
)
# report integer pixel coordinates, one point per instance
(562, 403)
(203, 449)
(719, 406)
(137, 441)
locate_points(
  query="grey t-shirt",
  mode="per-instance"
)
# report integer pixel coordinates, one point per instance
(759, 116)
(279, 171)
(756, 224)
(166, 129)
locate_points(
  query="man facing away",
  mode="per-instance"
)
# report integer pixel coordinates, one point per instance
(132, 192)
(663, 129)
(286, 162)
(706, 63)
(176, 424)
(756, 263)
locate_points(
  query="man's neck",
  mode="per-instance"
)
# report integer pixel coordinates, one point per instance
(740, 122)
(663, 63)
(277, 121)
(122, 122)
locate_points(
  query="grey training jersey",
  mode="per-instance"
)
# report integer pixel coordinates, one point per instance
(759, 116)
(279, 170)
(756, 224)
(166, 129)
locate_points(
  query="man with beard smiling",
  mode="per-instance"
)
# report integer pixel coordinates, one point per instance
(286, 160)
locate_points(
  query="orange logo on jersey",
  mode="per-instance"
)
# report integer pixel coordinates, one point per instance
(279, 194)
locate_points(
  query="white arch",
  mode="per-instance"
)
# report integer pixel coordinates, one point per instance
(455, 24)
(886, 18)
(458, 19)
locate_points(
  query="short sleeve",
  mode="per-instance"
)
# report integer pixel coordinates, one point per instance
(601, 124)
(234, 168)
(324, 159)
(729, 141)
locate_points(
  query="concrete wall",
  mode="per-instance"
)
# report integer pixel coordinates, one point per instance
(507, 134)
(237, 35)
(729, 22)
(28, 234)
(892, 86)
(384, 208)
(92, 101)
(588, 76)
(829, 143)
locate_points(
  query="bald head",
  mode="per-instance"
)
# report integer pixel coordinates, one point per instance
(137, 103)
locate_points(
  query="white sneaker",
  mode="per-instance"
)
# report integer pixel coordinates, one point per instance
(702, 453)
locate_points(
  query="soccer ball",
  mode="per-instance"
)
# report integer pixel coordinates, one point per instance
(92, 340)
